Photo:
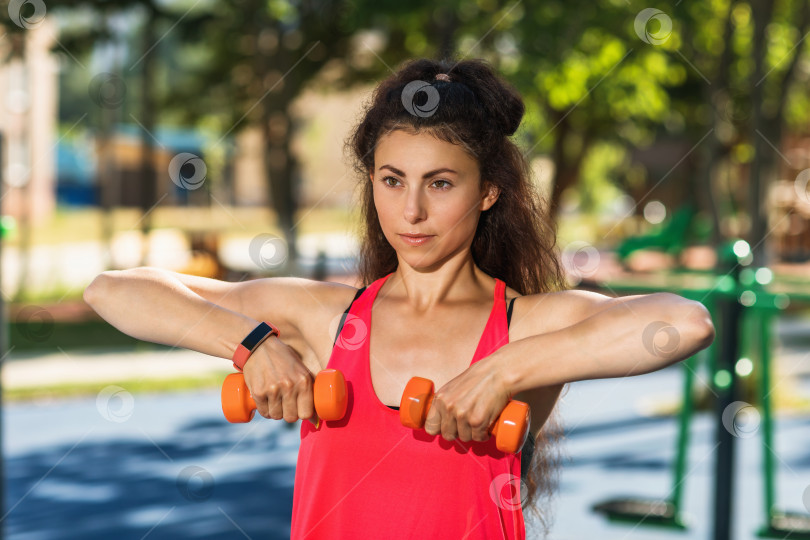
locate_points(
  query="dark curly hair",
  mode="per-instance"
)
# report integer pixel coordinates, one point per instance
(515, 240)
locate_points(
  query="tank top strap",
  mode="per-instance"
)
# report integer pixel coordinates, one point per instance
(496, 333)
(346, 312)
(362, 301)
(500, 291)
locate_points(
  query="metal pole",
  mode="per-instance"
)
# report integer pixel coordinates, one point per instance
(726, 385)
(764, 321)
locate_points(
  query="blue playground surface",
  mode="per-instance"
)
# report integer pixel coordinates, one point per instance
(170, 466)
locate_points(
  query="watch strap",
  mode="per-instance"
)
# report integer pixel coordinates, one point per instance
(252, 342)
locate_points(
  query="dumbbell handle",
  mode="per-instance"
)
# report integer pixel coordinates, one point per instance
(330, 398)
(515, 417)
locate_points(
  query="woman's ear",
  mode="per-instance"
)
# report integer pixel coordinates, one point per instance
(489, 198)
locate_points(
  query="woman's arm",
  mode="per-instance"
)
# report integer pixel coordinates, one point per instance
(620, 338)
(154, 306)
(637, 336)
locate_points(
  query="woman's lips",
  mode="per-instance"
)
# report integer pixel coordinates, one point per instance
(415, 240)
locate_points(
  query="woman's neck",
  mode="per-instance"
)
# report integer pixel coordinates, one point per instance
(424, 292)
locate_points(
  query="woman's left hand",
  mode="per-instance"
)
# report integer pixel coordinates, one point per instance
(469, 404)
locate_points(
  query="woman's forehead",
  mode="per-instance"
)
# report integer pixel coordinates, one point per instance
(418, 151)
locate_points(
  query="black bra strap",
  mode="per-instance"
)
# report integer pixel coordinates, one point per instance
(509, 311)
(345, 313)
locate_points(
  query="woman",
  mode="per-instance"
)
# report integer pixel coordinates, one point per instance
(461, 274)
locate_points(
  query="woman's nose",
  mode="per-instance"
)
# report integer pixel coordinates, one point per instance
(414, 207)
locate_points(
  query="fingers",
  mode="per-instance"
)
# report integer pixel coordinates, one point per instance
(464, 431)
(279, 384)
(289, 403)
(441, 421)
(305, 403)
(297, 400)
(286, 400)
(479, 430)
(452, 423)
(268, 401)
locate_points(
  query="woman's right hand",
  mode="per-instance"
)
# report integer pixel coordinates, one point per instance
(279, 383)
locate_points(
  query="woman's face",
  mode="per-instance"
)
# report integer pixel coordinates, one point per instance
(426, 186)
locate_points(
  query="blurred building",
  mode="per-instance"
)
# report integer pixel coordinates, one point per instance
(789, 202)
(119, 159)
(28, 124)
(76, 171)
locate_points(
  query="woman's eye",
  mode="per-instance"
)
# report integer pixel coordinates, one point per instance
(443, 187)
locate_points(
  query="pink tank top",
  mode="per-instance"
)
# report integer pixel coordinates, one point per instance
(369, 477)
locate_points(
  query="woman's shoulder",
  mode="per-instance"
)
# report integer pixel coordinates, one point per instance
(511, 293)
(333, 300)
(545, 312)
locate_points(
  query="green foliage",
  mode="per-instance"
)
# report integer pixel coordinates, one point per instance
(583, 70)
(597, 184)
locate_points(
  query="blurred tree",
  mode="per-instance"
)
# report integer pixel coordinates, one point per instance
(243, 63)
(248, 60)
(586, 77)
(775, 29)
(720, 75)
(620, 73)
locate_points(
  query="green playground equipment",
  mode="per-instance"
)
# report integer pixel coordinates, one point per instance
(742, 304)
(685, 227)
(654, 512)
(7, 224)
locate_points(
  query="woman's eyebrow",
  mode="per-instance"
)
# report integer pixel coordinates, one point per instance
(426, 175)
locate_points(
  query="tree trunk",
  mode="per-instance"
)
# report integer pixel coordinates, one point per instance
(148, 114)
(717, 96)
(566, 167)
(277, 130)
(282, 170)
(559, 180)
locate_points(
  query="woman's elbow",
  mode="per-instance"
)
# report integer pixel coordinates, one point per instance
(95, 289)
(702, 326)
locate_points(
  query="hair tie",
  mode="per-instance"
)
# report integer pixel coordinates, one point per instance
(443, 77)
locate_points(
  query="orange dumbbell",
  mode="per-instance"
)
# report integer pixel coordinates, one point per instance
(329, 396)
(510, 430)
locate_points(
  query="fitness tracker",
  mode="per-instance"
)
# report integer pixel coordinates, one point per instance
(251, 342)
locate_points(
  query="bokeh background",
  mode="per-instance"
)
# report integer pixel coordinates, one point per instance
(671, 141)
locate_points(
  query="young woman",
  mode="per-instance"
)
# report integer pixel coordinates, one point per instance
(461, 275)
